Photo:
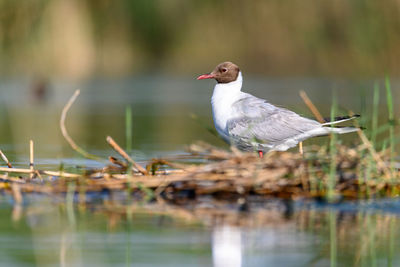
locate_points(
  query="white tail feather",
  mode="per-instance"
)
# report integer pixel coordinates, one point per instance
(321, 131)
(342, 130)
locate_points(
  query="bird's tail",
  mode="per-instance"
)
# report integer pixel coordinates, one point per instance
(340, 130)
(325, 130)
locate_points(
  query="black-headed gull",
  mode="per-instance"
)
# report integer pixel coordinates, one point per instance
(253, 124)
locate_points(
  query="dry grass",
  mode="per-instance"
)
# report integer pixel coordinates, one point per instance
(225, 174)
(358, 172)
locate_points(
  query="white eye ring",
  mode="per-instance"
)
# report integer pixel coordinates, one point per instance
(224, 70)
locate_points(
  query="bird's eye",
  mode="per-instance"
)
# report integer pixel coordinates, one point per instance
(224, 70)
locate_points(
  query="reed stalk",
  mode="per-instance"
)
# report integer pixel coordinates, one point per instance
(64, 131)
(3, 156)
(125, 155)
(389, 102)
(371, 164)
(31, 160)
(128, 128)
(375, 114)
(333, 155)
(311, 106)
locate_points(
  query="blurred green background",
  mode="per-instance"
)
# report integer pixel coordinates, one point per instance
(145, 54)
(82, 38)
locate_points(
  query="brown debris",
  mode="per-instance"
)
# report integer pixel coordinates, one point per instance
(219, 173)
(283, 174)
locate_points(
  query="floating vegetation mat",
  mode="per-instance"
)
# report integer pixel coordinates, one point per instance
(222, 174)
(331, 172)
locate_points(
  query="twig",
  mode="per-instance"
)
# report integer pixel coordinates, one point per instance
(3, 156)
(116, 161)
(311, 106)
(6, 178)
(120, 151)
(61, 174)
(374, 154)
(31, 166)
(51, 173)
(387, 170)
(65, 133)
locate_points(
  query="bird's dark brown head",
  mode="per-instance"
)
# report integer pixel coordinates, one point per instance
(224, 73)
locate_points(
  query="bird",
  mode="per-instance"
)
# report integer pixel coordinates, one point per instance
(252, 124)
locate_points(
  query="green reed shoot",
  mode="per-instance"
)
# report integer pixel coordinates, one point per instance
(333, 152)
(128, 128)
(374, 132)
(375, 114)
(389, 101)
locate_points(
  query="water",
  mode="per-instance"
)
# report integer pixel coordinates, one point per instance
(108, 231)
(46, 234)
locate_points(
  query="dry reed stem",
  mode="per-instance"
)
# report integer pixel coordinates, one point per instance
(311, 106)
(116, 161)
(51, 173)
(61, 174)
(232, 175)
(6, 178)
(375, 155)
(178, 166)
(31, 166)
(313, 109)
(3, 156)
(125, 155)
(385, 168)
(65, 132)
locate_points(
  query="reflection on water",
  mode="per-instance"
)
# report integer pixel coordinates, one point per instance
(227, 246)
(106, 234)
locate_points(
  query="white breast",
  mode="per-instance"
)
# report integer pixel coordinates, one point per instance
(224, 95)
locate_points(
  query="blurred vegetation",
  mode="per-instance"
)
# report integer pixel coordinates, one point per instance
(359, 38)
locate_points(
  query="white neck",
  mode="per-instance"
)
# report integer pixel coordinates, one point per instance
(224, 95)
(231, 88)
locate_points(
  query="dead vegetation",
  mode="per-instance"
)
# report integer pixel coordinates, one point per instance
(356, 172)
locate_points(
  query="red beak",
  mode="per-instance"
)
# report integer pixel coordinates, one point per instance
(205, 76)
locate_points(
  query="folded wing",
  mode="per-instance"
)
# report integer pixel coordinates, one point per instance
(260, 122)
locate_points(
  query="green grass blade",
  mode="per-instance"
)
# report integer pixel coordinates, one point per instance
(389, 101)
(128, 128)
(333, 152)
(375, 113)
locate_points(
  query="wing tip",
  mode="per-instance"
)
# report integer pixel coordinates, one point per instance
(340, 118)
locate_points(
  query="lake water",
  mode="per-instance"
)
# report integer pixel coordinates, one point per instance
(107, 234)
(110, 231)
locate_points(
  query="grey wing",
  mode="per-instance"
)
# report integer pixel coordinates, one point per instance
(262, 122)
